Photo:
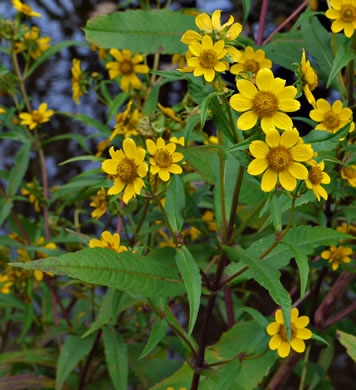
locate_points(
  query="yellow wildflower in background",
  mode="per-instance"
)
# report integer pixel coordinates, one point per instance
(108, 241)
(179, 60)
(33, 44)
(126, 66)
(213, 140)
(251, 61)
(126, 122)
(344, 13)
(209, 218)
(168, 111)
(128, 169)
(278, 332)
(100, 203)
(316, 177)
(349, 174)
(36, 117)
(31, 191)
(164, 158)
(77, 78)
(2, 111)
(331, 118)
(337, 255)
(101, 52)
(309, 79)
(5, 284)
(348, 229)
(280, 159)
(207, 58)
(25, 9)
(179, 141)
(266, 102)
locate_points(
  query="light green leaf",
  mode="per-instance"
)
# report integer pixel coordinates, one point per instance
(349, 342)
(204, 105)
(268, 277)
(159, 330)
(116, 358)
(189, 270)
(148, 32)
(82, 158)
(228, 375)
(246, 4)
(189, 127)
(5, 209)
(343, 56)
(320, 339)
(175, 203)
(72, 352)
(124, 271)
(201, 158)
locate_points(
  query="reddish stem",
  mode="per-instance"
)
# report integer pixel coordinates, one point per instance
(119, 220)
(261, 25)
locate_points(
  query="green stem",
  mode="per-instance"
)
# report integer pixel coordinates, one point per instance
(305, 365)
(163, 211)
(341, 80)
(222, 186)
(142, 220)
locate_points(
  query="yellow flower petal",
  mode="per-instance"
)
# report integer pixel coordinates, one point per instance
(257, 166)
(247, 120)
(129, 147)
(283, 349)
(289, 138)
(304, 334)
(265, 80)
(275, 342)
(298, 170)
(240, 103)
(273, 328)
(298, 345)
(273, 138)
(259, 149)
(287, 181)
(246, 88)
(269, 180)
(302, 322)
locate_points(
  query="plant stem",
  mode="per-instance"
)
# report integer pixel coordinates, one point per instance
(339, 75)
(163, 211)
(222, 185)
(305, 366)
(261, 25)
(142, 220)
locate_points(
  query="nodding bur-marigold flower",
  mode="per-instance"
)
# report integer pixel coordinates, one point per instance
(108, 241)
(25, 9)
(280, 157)
(344, 13)
(278, 332)
(36, 117)
(32, 192)
(178, 141)
(168, 111)
(164, 158)
(309, 79)
(349, 174)
(266, 102)
(337, 255)
(126, 122)
(331, 118)
(77, 79)
(128, 168)
(251, 61)
(5, 284)
(126, 66)
(33, 44)
(315, 178)
(100, 202)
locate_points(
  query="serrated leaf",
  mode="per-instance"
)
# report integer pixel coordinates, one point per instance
(228, 375)
(189, 270)
(175, 203)
(268, 277)
(159, 330)
(125, 271)
(72, 352)
(149, 32)
(343, 56)
(189, 127)
(349, 342)
(116, 358)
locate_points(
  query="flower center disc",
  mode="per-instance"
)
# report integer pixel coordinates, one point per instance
(126, 67)
(36, 116)
(163, 158)
(331, 121)
(126, 170)
(279, 158)
(283, 332)
(315, 175)
(265, 104)
(347, 13)
(251, 66)
(208, 58)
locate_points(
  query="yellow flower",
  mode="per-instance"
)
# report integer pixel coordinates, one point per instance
(309, 79)
(100, 203)
(179, 60)
(36, 117)
(179, 141)
(108, 241)
(348, 229)
(336, 256)
(265, 103)
(127, 168)
(331, 118)
(192, 232)
(169, 112)
(126, 122)
(251, 61)
(344, 13)
(279, 155)
(35, 45)
(349, 174)
(25, 9)
(209, 218)
(213, 140)
(207, 58)
(164, 158)
(2, 111)
(278, 332)
(127, 67)
(5, 284)
(101, 52)
(32, 192)
(316, 176)
(77, 79)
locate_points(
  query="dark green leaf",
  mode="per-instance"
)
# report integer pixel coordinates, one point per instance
(5, 209)
(116, 104)
(204, 105)
(159, 330)
(247, 7)
(343, 56)
(175, 203)
(228, 375)
(189, 127)
(87, 120)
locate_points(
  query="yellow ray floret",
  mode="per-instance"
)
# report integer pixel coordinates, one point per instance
(25, 9)
(108, 240)
(316, 177)
(309, 79)
(36, 117)
(343, 12)
(337, 255)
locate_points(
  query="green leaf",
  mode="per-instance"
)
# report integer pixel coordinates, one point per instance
(349, 342)
(5, 209)
(124, 271)
(87, 120)
(105, 312)
(175, 203)
(82, 158)
(201, 158)
(26, 381)
(189, 127)
(152, 100)
(320, 339)
(243, 144)
(29, 316)
(72, 352)
(268, 277)
(18, 171)
(116, 358)
(53, 50)
(256, 315)
(39, 356)
(228, 375)
(343, 56)
(276, 213)
(246, 4)
(159, 330)
(204, 105)
(77, 137)
(189, 270)
(116, 104)
(149, 32)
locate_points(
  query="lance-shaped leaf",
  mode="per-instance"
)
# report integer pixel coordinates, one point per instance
(268, 277)
(124, 271)
(159, 330)
(343, 56)
(175, 202)
(192, 282)
(156, 31)
(349, 342)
